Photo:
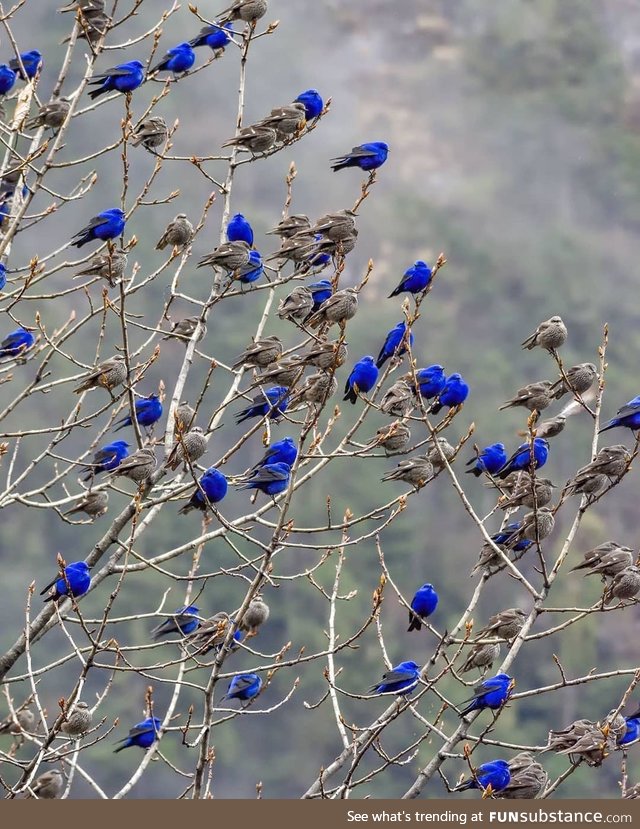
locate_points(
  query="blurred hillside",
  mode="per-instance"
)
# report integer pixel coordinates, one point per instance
(514, 130)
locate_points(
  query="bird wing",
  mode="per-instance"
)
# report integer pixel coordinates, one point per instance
(628, 409)
(114, 72)
(140, 729)
(357, 152)
(396, 676)
(97, 221)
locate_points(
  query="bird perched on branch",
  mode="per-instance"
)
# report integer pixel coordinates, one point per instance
(415, 471)
(491, 777)
(363, 377)
(28, 66)
(48, 786)
(577, 380)
(491, 693)
(453, 394)
(627, 416)
(17, 343)
(250, 11)
(271, 403)
(490, 460)
(190, 447)
(506, 624)
(183, 622)
(423, 605)
(607, 559)
(521, 459)
(550, 335)
(93, 504)
(255, 615)
(215, 36)
(415, 280)
(178, 60)
(125, 77)
(534, 397)
(395, 344)
(144, 734)
(107, 458)
(367, 157)
(212, 488)
(77, 720)
(106, 225)
(75, 581)
(137, 467)
(51, 115)
(402, 679)
(106, 375)
(151, 133)
(109, 266)
(179, 233)
(148, 410)
(243, 687)
(260, 353)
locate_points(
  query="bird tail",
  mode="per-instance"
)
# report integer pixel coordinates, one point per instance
(395, 292)
(121, 424)
(475, 471)
(95, 93)
(350, 394)
(435, 407)
(462, 787)
(382, 359)
(610, 425)
(415, 623)
(80, 241)
(506, 405)
(341, 164)
(125, 744)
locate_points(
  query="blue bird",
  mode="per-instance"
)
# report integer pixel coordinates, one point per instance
(363, 377)
(7, 78)
(431, 381)
(491, 777)
(423, 605)
(490, 693)
(272, 479)
(454, 393)
(399, 680)
(125, 77)
(143, 734)
(184, 621)
(32, 62)
(243, 687)
(521, 458)
(106, 225)
(76, 579)
(491, 459)
(367, 157)
(632, 733)
(252, 271)
(148, 412)
(505, 535)
(179, 59)
(320, 291)
(282, 451)
(313, 103)
(628, 415)
(214, 36)
(272, 402)
(108, 458)
(318, 259)
(239, 230)
(214, 485)
(3, 276)
(394, 344)
(16, 343)
(415, 279)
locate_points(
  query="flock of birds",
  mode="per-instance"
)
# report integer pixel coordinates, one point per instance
(282, 386)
